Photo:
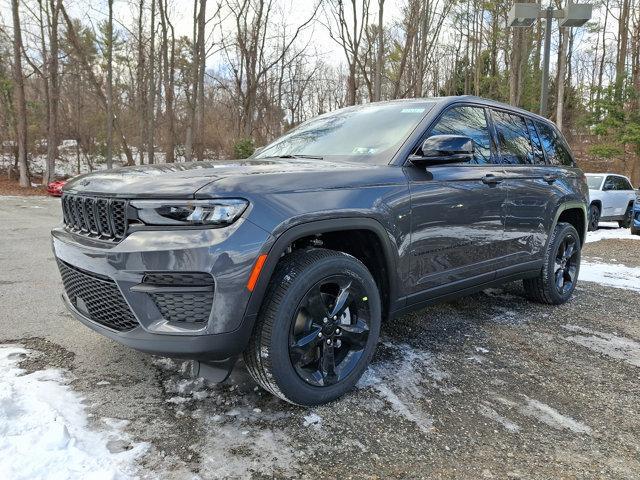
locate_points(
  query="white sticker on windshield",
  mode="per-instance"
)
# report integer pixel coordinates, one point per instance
(412, 110)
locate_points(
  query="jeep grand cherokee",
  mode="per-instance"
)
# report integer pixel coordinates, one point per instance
(294, 256)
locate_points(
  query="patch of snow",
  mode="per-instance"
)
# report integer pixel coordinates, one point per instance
(44, 431)
(491, 414)
(506, 316)
(551, 417)
(234, 452)
(482, 350)
(610, 230)
(611, 275)
(401, 382)
(312, 420)
(606, 343)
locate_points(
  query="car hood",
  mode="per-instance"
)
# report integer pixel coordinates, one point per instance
(183, 180)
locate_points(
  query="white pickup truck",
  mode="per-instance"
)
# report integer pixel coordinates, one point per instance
(612, 199)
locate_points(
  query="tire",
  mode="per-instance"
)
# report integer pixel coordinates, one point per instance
(594, 217)
(634, 230)
(545, 288)
(628, 216)
(291, 314)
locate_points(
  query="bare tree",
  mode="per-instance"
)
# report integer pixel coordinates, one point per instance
(19, 97)
(54, 92)
(151, 78)
(347, 30)
(109, 156)
(377, 95)
(168, 78)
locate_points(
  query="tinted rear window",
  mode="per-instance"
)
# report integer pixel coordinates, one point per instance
(513, 138)
(554, 146)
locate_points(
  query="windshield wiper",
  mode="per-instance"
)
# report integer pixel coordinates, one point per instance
(311, 157)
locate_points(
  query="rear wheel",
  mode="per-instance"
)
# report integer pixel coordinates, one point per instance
(557, 280)
(594, 217)
(628, 215)
(317, 329)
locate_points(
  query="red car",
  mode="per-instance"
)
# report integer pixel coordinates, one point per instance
(55, 188)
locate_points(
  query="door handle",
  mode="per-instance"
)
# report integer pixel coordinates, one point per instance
(549, 178)
(491, 179)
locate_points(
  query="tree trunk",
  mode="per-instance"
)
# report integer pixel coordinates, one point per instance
(140, 84)
(562, 64)
(109, 156)
(54, 95)
(199, 133)
(152, 87)
(621, 59)
(377, 96)
(168, 65)
(19, 98)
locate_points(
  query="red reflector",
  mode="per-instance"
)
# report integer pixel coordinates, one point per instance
(255, 273)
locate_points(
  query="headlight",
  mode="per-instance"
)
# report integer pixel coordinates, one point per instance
(190, 212)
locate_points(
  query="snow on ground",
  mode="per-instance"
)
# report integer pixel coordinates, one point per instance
(44, 431)
(491, 414)
(401, 379)
(606, 343)
(550, 416)
(611, 275)
(609, 230)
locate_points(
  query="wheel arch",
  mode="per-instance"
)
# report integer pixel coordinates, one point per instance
(327, 227)
(574, 213)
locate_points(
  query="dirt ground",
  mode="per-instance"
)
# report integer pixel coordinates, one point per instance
(11, 187)
(487, 386)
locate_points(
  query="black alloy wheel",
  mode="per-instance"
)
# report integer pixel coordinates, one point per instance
(330, 331)
(566, 264)
(317, 329)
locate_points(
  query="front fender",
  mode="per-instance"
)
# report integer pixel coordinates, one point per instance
(276, 248)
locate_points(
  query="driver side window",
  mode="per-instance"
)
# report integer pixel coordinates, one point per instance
(470, 122)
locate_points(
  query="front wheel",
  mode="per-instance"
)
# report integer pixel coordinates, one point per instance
(317, 329)
(559, 275)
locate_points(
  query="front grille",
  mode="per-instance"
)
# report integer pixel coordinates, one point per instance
(185, 306)
(96, 297)
(191, 279)
(103, 218)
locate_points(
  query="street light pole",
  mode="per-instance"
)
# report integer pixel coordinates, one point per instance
(544, 90)
(526, 14)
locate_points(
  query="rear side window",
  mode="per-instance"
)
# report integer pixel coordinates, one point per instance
(513, 138)
(615, 182)
(610, 184)
(624, 184)
(554, 146)
(538, 154)
(471, 122)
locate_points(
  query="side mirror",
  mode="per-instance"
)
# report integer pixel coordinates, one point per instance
(440, 149)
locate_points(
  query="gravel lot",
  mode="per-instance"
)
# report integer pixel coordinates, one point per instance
(489, 386)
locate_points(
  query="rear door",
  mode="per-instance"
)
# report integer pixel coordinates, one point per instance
(610, 199)
(457, 210)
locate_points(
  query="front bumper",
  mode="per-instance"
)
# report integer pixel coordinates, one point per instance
(228, 254)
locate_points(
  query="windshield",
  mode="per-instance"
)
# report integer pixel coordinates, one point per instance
(594, 181)
(368, 132)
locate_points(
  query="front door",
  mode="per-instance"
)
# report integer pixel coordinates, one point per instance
(457, 211)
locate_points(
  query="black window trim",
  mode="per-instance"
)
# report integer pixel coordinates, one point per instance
(495, 132)
(534, 119)
(492, 138)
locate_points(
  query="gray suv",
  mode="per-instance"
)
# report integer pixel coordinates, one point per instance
(293, 257)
